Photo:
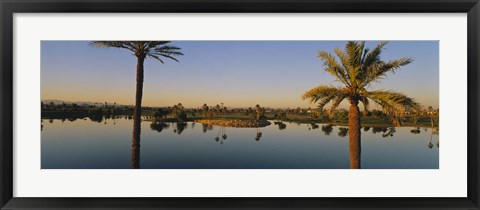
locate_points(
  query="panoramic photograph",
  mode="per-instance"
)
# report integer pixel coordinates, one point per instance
(348, 104)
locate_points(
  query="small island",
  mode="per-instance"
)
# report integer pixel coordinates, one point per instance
(237, 123)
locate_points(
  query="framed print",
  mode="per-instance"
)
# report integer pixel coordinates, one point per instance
(239, 105)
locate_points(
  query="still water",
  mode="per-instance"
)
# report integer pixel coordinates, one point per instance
(84, 144)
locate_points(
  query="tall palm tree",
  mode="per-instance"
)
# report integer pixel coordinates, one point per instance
(430, 113)
(356, 69)
(141, 49)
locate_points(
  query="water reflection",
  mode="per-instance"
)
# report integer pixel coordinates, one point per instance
(96, 118)
(223, 134)
(342, 131)
(327, 129)
(180, 127)
(159, 126)
(385, 131)
(313, 126)
(206, 127)
(281, 125)
(415, 131)
(435, 131)
(258, 136)
(294, 142)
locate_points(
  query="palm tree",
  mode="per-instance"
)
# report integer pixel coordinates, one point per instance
(141, 49)
(430, 112)
(357, 69)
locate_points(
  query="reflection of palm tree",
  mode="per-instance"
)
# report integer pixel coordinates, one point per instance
(180, 127)
(435, 131)
(258, 136)
(430, 112)
(223, 133)
(141, 49)
(358, 68)
(430, 145)
(204, 128)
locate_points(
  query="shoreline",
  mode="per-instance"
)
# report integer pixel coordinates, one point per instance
(265, 122)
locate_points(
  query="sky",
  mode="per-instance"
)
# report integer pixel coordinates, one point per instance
(238, 73)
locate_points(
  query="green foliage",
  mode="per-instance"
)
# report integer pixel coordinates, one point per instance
(280, 114)
(159, 114)
(179, 113)
(342, 117)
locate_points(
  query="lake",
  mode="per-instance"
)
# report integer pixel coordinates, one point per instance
(85, 144)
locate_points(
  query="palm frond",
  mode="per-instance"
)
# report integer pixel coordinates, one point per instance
(366, 104)
(333, 67)
(373, 56)
(354, 50)
(381, 69)
(163, 50)
(166, 48)
(343, 59)
(154, 49)
(113, 44)
(323, 95)
(157, 55)
(394, 104)
(335, 103)
(156, 58)
(153, 44)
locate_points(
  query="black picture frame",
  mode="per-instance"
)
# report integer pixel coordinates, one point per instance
(10, 7)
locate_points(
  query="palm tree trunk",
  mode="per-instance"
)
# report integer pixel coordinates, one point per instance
(354, 137)
(137, 113)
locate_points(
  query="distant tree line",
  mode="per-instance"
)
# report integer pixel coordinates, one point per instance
(179, 113)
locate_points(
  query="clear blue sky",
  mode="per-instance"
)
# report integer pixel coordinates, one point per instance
(237, 73)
